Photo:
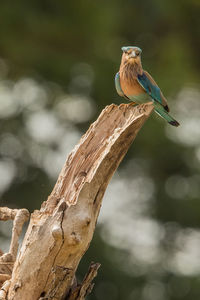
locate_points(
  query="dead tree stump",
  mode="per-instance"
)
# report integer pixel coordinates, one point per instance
(60, 232)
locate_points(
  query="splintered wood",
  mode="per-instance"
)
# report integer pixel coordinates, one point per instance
(7, 260)
(59, 234)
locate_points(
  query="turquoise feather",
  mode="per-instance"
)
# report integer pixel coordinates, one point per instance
(159, 109)
(152, 90)
(117, 85)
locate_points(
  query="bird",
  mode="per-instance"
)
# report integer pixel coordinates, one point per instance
(138, 86)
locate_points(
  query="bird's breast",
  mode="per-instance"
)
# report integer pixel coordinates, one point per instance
(131, 87)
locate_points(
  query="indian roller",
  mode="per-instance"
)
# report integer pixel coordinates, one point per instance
(137, 85)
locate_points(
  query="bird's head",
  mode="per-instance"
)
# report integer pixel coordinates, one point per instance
(131, 54)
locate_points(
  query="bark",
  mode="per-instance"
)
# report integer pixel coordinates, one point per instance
(60, 232)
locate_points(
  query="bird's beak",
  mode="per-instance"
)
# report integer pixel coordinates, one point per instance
(132, 54)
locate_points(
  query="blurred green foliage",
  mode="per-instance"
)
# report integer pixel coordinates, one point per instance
(54, 50)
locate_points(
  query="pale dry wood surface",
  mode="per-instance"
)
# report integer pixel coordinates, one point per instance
(60, 232)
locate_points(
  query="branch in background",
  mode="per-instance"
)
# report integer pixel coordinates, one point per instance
(19, 217)
(80, 291)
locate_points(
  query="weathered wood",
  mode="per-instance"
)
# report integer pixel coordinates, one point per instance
(60, 232)
(80, 291)
(4, 290)
(7, 260)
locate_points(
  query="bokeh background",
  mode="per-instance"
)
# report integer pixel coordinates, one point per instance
(57, 65)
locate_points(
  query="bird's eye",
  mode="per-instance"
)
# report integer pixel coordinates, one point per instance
(137, 53)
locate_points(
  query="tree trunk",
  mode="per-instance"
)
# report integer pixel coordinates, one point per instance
(60, 232)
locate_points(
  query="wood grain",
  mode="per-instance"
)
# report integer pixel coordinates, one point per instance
(61, 231)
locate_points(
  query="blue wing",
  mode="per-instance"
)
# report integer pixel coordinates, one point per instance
(152, 90)
(150, 86)
(117, 85)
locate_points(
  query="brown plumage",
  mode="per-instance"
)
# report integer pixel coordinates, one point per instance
(130, 68)
(138, 86)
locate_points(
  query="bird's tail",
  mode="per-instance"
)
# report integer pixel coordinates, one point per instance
(161, 112)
